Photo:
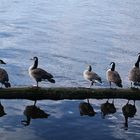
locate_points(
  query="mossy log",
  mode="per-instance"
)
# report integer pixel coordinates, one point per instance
(71, 93)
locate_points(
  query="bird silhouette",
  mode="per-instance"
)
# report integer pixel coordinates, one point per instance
(86, 109)
(33, 112)
(129, 111)
(107, 108)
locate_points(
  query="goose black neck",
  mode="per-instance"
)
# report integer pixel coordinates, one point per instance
(137, 63)
(113, 66)
(35, 64)
(90, 68)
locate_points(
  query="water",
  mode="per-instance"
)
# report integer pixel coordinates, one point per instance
(67, 35)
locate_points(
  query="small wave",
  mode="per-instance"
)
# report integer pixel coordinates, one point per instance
(5, 35)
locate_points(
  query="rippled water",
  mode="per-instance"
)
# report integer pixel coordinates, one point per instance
(67, 35)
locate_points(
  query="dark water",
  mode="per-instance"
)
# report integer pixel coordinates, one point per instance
(67, 35)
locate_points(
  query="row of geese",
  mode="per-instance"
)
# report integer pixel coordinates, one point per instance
(39, 74)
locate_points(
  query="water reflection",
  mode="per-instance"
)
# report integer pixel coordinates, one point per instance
(2, 112)
(85, 108)
(33, 112)
(107, 108)
(129, 111)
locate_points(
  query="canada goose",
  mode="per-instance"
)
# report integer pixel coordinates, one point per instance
(134, 74)
(39, 74)
(113, 76)
(91, 76)
(33, 112)
(129, 111)
(4, 78)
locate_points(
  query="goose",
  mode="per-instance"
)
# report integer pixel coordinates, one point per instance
(39, 74)
(4, 78)
(113, 76)
(134, 74)
(91, 76)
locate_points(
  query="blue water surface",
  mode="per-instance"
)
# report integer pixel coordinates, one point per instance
(68, 35)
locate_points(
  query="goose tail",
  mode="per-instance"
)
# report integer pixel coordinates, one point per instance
(51, 80)
(119, 85)
(137, 84)
(7, 84)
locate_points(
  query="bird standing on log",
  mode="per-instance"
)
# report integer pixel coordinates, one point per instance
(91, 76)
(134, 74)
(113, 76)
(4, 78)
(39, 74)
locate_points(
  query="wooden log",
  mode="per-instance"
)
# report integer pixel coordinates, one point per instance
(33, 93)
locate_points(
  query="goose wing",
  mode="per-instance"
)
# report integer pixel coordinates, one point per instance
(3, 75)
(90, 75)
(42, 74)
(134, 75)
(116, 77)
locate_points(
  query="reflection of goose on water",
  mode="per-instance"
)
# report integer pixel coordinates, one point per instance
(134, 74)
(91, 76)
(86, 109)
(33, 112)
(2, 112)
(39, 74)
(113, 76)
(129, 111)
(4, 78)
(107, 108)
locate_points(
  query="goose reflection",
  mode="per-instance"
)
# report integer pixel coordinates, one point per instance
(33, 112)
(2, 112)
(107, 108)
(129, 111)
(86, 109)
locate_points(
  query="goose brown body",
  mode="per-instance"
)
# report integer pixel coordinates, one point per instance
(91, 76)
(4, 78)
(134, 74)
(39, 74)
(113, 76)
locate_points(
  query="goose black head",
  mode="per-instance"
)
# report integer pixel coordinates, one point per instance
(89, 68)
(139, 57)
(137, 63)
(35, 62)
(113, 66)
(34, 58)
(2, 62)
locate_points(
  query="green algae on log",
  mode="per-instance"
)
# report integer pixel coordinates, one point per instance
(71, 93)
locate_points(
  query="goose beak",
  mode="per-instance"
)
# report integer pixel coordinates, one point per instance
(31, 59)
(112, 63)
